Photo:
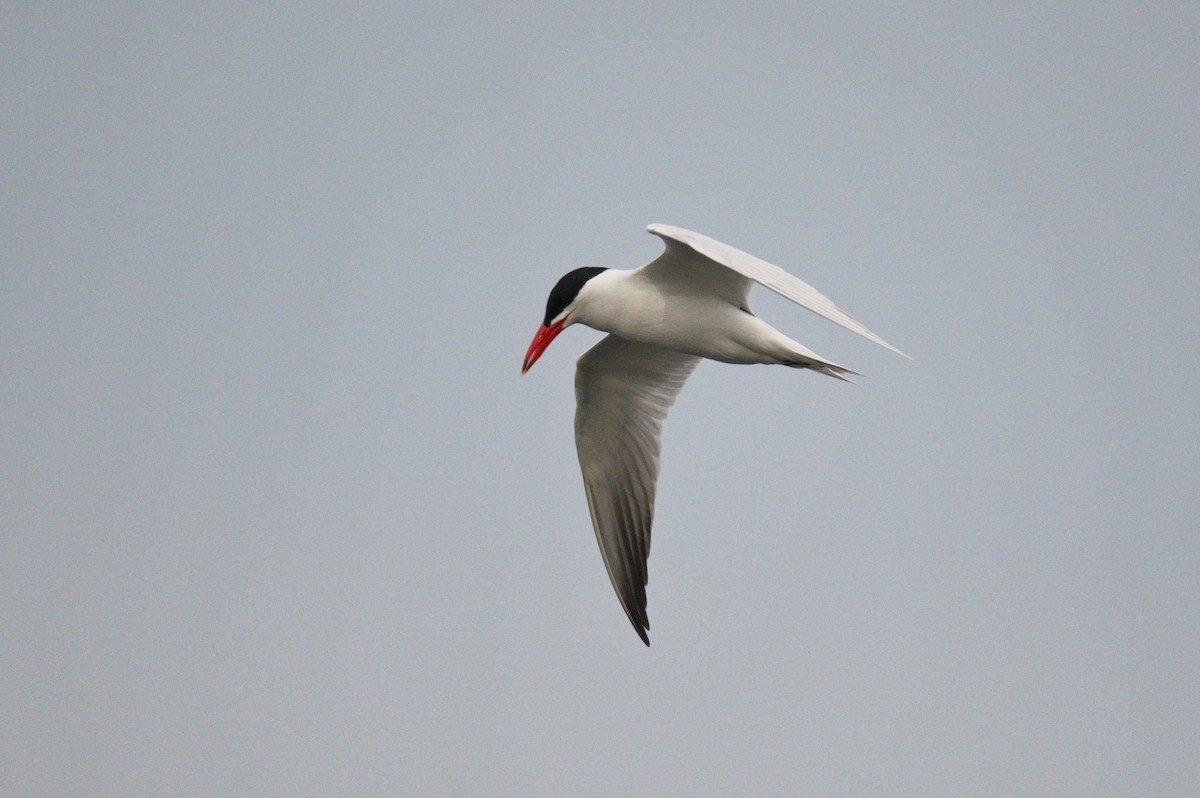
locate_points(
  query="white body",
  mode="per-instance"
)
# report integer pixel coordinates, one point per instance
(684, 316)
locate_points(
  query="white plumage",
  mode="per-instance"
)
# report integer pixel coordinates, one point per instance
(687, 304)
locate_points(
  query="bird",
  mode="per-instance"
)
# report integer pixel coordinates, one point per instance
(688, 304)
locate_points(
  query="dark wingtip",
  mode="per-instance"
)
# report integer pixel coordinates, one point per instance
(643, 628)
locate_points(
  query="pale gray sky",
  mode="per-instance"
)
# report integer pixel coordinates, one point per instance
(279, 518)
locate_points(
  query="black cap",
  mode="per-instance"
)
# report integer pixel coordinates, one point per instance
(567, 288)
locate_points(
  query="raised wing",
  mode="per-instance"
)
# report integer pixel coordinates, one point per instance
(623, 390)
(688, 249)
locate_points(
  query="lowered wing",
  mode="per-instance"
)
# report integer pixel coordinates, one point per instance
(623, 390)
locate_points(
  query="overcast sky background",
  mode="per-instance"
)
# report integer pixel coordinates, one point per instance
(279, 518)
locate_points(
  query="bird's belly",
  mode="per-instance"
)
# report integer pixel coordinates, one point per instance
(713, 330)
(696, 324)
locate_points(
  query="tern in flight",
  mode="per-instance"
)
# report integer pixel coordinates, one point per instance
(687, 304)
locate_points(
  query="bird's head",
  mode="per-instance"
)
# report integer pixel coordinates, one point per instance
(561, 311)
